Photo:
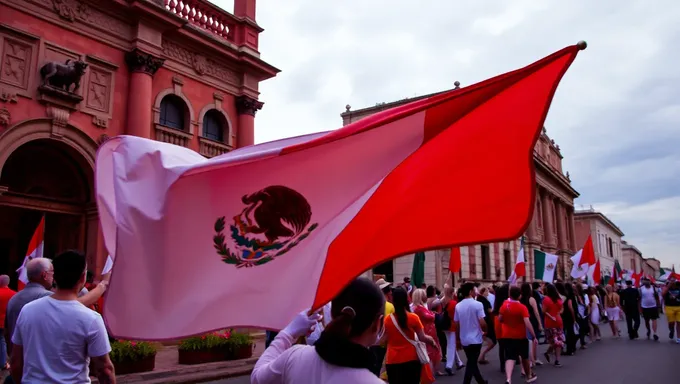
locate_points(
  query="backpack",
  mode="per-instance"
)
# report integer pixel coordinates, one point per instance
(443, 320)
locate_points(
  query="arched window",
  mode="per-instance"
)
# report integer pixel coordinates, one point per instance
(173, 112)
(214, 125)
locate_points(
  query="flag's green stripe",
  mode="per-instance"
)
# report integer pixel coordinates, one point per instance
(539, 264)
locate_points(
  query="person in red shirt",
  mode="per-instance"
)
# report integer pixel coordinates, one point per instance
(5, 294)
(515, 324)
(554, 328)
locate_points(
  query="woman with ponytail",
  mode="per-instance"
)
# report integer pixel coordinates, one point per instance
(401, 362)
(341, 354)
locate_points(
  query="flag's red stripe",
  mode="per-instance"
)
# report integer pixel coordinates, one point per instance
(455, 262)
(588, 255)
(37, 237)
(439, 196)
(466, 102)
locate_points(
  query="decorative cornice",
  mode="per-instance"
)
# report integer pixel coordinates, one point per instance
(199, 63)
(143, 62)
(247, 105)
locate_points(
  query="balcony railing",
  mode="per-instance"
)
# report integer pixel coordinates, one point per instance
(210, 148)
(172, 136)
(205, 15)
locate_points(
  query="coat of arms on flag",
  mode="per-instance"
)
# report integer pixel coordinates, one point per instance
(274, 221)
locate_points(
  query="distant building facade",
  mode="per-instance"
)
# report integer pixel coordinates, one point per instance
(607, 237)
(551, 229)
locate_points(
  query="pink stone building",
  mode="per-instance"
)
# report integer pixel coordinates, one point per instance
(632, 257)
(607, 238)
(551, 230)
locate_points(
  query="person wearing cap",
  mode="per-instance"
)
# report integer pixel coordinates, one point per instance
(380, 350)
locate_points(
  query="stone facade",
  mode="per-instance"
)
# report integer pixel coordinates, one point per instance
(632, 257)
(607, 238)
(185, 72)
(550, 230)
(652, 267)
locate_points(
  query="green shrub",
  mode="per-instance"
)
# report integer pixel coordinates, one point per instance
(124, 351)
(216, 340)
(213, 340)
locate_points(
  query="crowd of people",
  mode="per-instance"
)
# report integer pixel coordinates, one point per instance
(402, 334)
(51, 329)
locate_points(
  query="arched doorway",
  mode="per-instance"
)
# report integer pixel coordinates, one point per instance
(44, 177)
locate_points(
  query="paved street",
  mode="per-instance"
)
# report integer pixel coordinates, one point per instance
(615, 361)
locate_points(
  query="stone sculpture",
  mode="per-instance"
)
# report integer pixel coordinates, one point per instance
(63, 76)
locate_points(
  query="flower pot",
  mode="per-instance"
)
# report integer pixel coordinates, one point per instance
(190, 357)
(146, 364)
(243, 352)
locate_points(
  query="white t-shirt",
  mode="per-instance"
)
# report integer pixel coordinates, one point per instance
(468, 313)
(492, 299)
(647, 297)
(58, 338)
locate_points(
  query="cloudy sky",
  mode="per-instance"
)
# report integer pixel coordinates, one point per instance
(616, 115)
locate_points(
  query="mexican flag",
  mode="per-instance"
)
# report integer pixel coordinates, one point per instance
(326, 206)
(616, 274)
(544, 266)
(35, 250)
(578, 271)
(520, 265)
(664, 275)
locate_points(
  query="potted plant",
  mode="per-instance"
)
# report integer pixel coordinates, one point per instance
(207, 348)
(133, 356)
(241, 345)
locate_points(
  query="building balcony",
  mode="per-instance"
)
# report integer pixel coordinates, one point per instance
(210, 148)
(205, 15)
(172, 136)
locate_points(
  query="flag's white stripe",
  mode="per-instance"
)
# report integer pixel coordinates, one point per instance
(108, 265)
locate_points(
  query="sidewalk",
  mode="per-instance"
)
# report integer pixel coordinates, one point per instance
(169, 371)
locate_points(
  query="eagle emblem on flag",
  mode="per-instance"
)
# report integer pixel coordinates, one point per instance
(274, 221)
(550, 267)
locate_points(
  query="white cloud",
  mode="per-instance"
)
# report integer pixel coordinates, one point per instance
(655, 226)
(615, 115)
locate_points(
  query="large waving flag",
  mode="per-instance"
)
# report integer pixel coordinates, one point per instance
(34, 250)
(283, 226)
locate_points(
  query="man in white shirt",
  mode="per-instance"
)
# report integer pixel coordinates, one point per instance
(470, 325)
(649, 302)
(56, 336)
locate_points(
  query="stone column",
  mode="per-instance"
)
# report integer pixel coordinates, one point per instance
(246, 107)
(142, 67)
(561, 230)
(548, 234)
(572, 232)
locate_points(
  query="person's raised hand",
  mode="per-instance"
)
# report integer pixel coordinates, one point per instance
(302, 324)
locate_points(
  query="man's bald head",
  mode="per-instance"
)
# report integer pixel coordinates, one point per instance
(4, 281)
(35, 269)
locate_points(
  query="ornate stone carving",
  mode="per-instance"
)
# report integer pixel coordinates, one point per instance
(100, 122)
(7, 96)
(99, 90)
(5, 117)
(59, 116)
(62, 76)
(200, 64)
(16, 63)
(68, 9)
(248, 105)
(139, 61)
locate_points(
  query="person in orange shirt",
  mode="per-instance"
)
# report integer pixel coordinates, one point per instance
(401, 361)
(515, 324)
(5, 294)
